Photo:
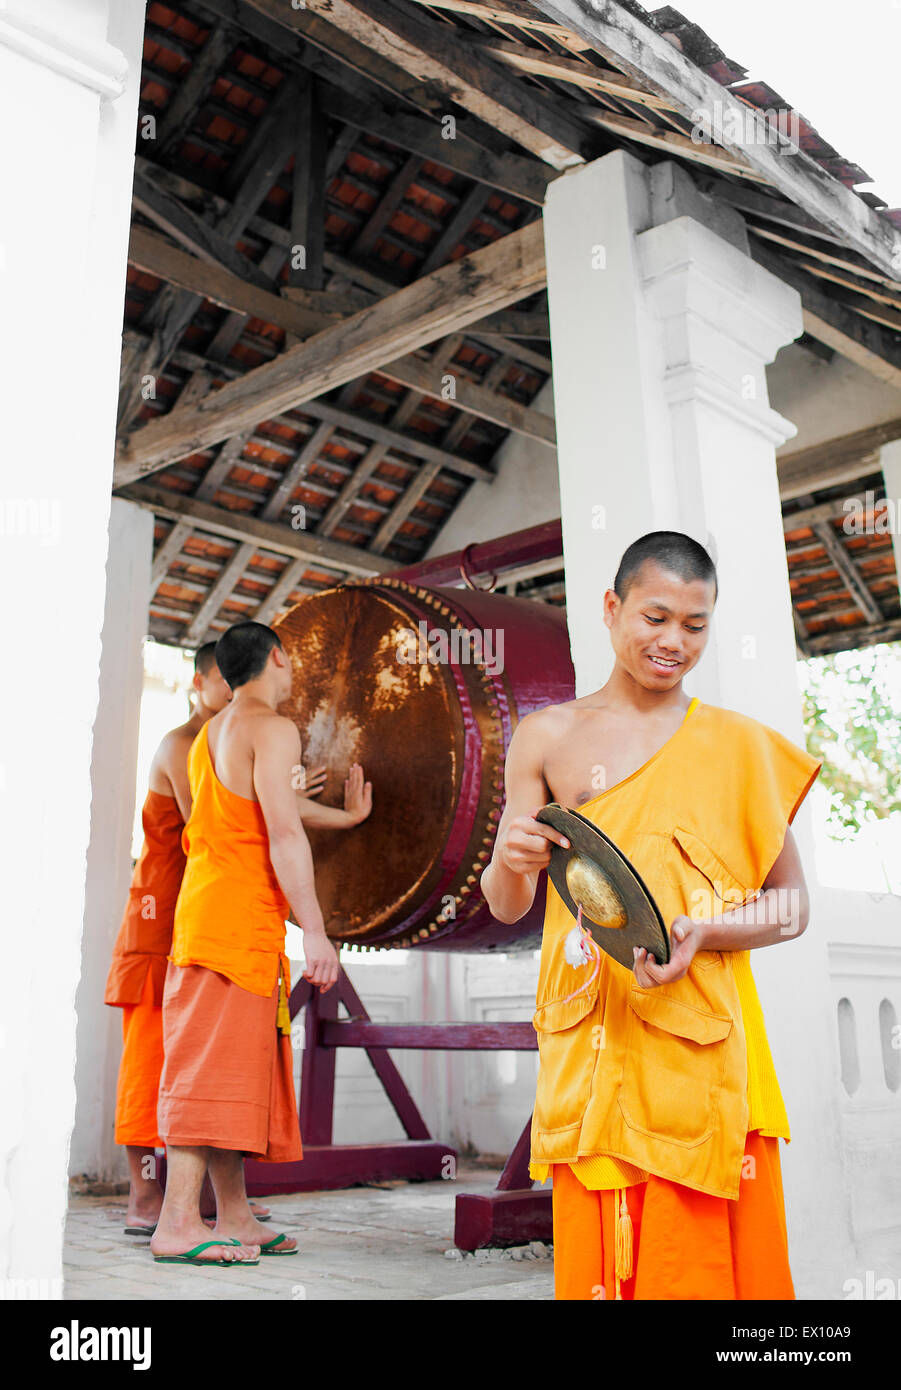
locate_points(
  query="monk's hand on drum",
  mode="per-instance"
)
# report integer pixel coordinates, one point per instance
(686, 940)
(527, 845)
(320, 960)
(314, 780)
(357, 795)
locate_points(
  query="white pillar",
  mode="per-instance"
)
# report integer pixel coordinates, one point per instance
(890, 460)
(661, 328)
(68, 102)
(109, 864)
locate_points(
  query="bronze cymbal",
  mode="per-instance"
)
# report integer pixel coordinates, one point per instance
(594, 874)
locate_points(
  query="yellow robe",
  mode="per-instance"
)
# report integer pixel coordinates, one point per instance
(669, 1081)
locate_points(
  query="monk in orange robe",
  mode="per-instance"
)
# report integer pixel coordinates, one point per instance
(227, 1086)
(657, 1108)
(138, 969)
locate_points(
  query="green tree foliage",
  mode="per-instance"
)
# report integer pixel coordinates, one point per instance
(852, 717)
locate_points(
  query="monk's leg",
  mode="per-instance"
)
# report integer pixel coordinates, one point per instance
(145, 1196)
(757, 1221)
(233, 1214)
(208, 1202)
(180, 1227)
(579, 1271)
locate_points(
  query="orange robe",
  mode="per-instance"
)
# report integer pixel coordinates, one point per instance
(138, 970)
(228, 1077)
(670, 1090)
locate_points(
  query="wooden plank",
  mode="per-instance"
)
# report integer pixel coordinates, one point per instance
(350, 492)
(353, 69)
(449, 298)
(222, 286)
(188, 96)
(845, 639)
(403, 508)
(848, 570)
(807, 470)
(288, 582)
(387, 205)
(515, 174)
(455, 1037)
(671, 141)
(827, 257)
(846, 332)
(168, 550)
(395, 440)
(434, 55)
(308, 187)
(192, 233)
(243, 526)
(473, 398)
(456, 228)
(219, 470)
(231, 574)
(579, 73)
(295, 471)
(648, 58)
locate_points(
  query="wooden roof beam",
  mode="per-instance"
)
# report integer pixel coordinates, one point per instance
(244, 526)
(656, 64)
(292, 312)
(863, 342)
(452, 297)
(434, 56)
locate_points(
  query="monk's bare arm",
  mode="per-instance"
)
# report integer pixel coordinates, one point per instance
(779, 913)
(276, 749)
(169, 770)
(523, 845)
(357, 805)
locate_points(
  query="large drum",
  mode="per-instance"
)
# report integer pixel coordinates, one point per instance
(424, 688)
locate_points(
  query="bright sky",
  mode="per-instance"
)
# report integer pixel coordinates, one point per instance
(835, 63)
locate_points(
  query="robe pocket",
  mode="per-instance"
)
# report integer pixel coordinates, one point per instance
(559, 1014)
(728, 892)
(673, 1068)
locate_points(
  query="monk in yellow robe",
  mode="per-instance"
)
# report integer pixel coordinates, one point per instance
(227, 1086)
(658, 1110)
(138, 969)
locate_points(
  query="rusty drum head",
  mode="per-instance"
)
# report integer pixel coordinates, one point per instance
(617, 907)
(362, 693)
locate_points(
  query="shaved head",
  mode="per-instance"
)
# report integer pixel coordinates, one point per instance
(670, 550)
(205, 659)
(243, 650)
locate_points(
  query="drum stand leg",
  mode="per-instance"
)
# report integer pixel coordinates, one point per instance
(511, 1215)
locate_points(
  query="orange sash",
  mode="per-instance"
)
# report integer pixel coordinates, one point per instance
(145, 936)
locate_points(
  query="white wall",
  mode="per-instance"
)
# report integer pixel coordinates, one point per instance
(68, 101)
(525, 492)
(109, 862)
(827, 399)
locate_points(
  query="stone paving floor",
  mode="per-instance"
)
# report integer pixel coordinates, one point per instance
(362, 1243)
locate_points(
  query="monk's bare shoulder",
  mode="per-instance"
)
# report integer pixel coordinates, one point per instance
(551, 723)
(273, 733)
(171, 755)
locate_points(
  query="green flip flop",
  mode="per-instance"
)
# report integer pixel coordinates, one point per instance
(190, 1256)
(269, 1247)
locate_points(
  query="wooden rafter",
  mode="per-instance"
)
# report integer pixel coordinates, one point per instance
(648, 58)
(242, 526)
(433, 54)
(451, 297)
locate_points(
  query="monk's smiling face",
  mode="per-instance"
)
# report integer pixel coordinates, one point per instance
(660, 628)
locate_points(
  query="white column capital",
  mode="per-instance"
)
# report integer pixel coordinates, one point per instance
(64, 43)
(723, 316)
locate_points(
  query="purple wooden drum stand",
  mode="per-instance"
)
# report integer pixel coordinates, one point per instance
(511, 1215)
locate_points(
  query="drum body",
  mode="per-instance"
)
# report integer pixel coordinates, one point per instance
(424, 688)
